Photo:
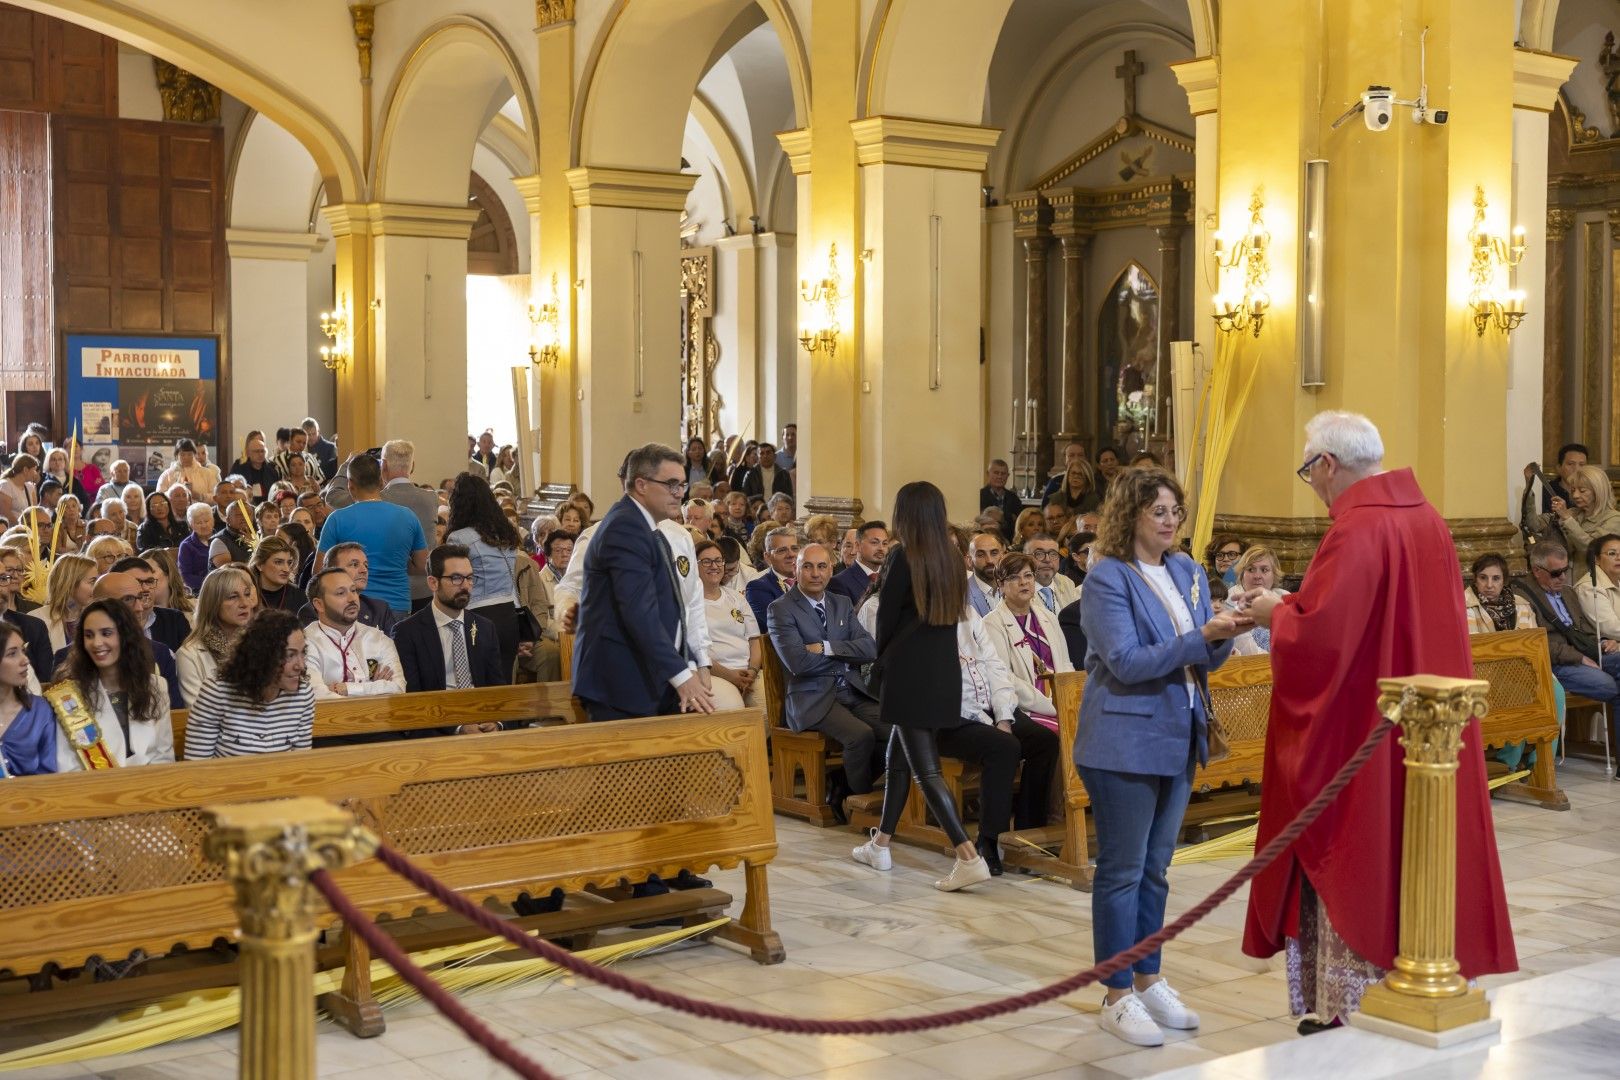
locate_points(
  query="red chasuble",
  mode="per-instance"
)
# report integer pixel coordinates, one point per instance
(1383, 598)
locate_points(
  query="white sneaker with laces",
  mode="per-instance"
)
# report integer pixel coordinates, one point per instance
(878, 858)
(1128, 1019)
(1166, 1007)
(964, 874)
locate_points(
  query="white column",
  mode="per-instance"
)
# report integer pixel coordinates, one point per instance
(924, 416)
(420, 271)
(627, 229)
(737, 327)
(1200, 79)
(1002, 332)
(778, 330)
(270, 321)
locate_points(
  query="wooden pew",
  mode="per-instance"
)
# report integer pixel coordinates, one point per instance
(336, 717)
(1522, 709)
(106, 863)
(799, 759)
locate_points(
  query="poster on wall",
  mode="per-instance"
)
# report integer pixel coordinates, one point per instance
(133, 397)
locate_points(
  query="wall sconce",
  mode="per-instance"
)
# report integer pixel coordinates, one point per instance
(335, 325)
(546, 348)
(1494, 258)
(826, 292)
(1234, 314)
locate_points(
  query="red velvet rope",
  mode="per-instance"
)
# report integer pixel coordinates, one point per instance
(385, 947)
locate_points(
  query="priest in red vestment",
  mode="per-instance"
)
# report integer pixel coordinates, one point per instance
(1383, 598)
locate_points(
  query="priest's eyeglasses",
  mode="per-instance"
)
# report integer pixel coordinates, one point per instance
(1304, 471)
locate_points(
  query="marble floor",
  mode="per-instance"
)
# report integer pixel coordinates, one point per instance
(861, 943)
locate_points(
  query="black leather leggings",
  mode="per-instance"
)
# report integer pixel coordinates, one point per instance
(913, 751)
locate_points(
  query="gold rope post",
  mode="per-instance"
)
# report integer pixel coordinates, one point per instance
(269, 850)
(1424, 999)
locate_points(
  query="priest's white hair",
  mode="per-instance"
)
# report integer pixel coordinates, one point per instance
(1349, 437)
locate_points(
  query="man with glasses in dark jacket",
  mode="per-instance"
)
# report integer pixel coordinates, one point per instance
(1581, 662)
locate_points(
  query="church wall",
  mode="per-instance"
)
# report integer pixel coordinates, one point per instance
(495, 173)
(778, 331)
(270, 314)
(137, 86)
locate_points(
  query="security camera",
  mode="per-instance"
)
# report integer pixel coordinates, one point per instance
(1377, 106)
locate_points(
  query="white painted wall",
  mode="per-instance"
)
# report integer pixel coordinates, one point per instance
(269, 313)
(1527, 344)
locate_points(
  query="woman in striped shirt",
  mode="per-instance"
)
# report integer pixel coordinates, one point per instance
(259, 702)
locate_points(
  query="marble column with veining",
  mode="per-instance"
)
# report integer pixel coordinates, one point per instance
(1169, 318)
(1035, 441)
(1075, 249)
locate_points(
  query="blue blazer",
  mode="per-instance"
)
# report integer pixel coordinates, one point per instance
(421, 652)
(1135, 715)
(812, 679)
(850, 582)
(761, 593)
(625, 654)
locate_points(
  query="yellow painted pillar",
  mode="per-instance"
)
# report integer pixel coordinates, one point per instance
(823, 159)
(554, 402)
(628, 341)
(356, 383)
(921, 406)
(1400, 341)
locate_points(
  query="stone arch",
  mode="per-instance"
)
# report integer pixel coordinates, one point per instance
(340, 169)
(1004, 162)
(644, 67)
(738, 182)
(1538, 20)
(456, 77)
(271, 181)
(901, 73)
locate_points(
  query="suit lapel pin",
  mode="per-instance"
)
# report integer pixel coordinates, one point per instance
(473, 633)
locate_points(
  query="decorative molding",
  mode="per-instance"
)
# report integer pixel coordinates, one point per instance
(1124, 128)
(1537, 78)
(364, 17)
(846, 510)
(796, 144)
(932, 144)
(1580, 133)
(272, 244)
(529, 188)
(347, 219)
(186, 98)
(1295, 540)
(549, 13)
(1161, 201)
(1032, 214)
(632, 189)
(1200, 78)
(400, 219)
(1559, 222)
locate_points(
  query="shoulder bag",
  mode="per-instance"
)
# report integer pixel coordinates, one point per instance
(528, 626)
(1219, 746)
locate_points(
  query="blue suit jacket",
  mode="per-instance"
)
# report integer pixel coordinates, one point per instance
(850, 582)
(421, 652)
(1135, 715)
(762, 592)
(812, 679)
(625, 654)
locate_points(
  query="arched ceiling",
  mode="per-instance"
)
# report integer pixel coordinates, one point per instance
(274, 180)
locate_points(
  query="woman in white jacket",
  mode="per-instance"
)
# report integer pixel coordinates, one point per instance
(1027, 638)
(111, 666)
(1599, 587)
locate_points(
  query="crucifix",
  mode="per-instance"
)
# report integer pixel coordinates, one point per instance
(1128, 71)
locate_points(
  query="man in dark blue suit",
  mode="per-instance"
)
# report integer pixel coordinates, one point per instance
(781, 553)
(427, 641)
(822, 647)
(162, 624)
(631, 655)
(871, 545)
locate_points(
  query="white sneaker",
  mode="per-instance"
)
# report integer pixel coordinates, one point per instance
(1166, 1007)
(878, 858)
(964, 874)
(1128, 1019)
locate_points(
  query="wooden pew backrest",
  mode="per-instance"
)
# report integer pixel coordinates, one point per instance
(107, 862)
(432, 709)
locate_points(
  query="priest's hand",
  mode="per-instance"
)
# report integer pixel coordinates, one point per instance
(1225, 626)
(1260, 608)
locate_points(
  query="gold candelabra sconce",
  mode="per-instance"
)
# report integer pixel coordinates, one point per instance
(339, 350)
(545, 348)
(1237, 312)
(1495, 259)
(820, 334)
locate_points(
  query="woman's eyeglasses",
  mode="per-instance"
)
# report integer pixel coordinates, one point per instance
(1227, 556)
(712, 564)
(1167, 513)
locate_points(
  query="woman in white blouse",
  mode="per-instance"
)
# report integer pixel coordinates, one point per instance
(111, 665)
(1599, 587)
(1256, 569)
(1027, 638)
(734, 634)
(226, 603)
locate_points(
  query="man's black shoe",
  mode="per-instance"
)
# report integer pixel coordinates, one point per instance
(688, 880)
(528, 905)
(991, 851)
(837, 792)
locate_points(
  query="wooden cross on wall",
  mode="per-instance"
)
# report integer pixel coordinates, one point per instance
(1128, 71)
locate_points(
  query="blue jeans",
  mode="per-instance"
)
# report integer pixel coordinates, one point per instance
(1138, 818)
(1598, 684)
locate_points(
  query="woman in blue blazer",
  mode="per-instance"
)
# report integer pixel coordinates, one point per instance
(1152, 640)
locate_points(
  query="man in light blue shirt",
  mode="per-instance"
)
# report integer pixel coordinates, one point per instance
(392, 537)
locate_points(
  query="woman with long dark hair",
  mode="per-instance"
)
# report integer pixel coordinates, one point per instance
(274, 564)
(110, 664)
(260, 702)
(160, 529)
(27, 728)
(923, 596)
(477, 522)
